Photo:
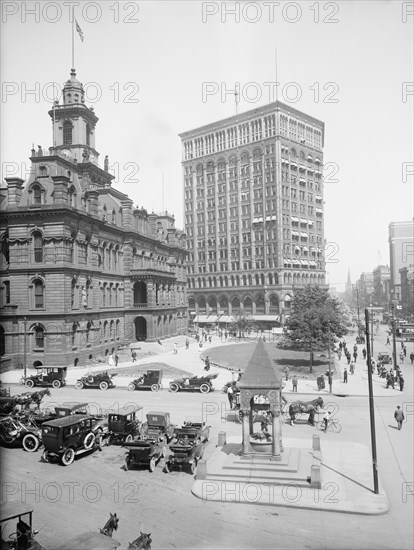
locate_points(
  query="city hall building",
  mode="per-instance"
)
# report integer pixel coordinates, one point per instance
(82, 270)
(254, 213)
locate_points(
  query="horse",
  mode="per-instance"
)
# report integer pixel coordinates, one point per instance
(110, 526)
(143, 542)
(34, 397)
(298, 407)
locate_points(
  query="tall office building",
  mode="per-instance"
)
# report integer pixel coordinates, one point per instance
(401, 241)
(254, 211)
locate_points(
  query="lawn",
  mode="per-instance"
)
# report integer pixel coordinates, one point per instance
(237, 356)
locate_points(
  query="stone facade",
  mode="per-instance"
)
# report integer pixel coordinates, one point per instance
(254, 210)
(83, 270)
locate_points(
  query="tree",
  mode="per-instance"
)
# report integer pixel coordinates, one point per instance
(315, 320)
(242, 325)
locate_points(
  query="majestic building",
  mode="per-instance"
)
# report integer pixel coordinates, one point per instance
(254, 211)
(407, 291)
(381, 294)
(83, 271)
(401, 241)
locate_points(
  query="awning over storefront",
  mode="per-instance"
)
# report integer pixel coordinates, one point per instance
(294, 219)
(270, 318)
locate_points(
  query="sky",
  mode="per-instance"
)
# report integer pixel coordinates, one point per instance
(153, 70)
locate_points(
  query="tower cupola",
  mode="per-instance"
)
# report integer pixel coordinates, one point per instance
(73, 91)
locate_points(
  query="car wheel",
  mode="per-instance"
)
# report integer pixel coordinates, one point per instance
(131, 386)
(204, 388)
(56, 384)
(155, 387)
(46, 456)
(152, 464)
(30, 443)
(29, 383)
(128, 438)
(68, 457)
(89, 441)
(79, 385)
(103, 386)
(174, 387)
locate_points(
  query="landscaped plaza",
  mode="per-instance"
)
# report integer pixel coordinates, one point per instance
(80, 497)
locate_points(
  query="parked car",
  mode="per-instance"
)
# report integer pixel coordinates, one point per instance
(151, 380)
(145, 451)
(188, 446)
(124, 425)
(158, 426)
(100, 425)
(384, 358)
(12, 430)
(101, 380)
(203, 384)
(46, 376)
(67, 437)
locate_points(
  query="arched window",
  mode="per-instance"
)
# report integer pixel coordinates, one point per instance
(73, 294)
(39, 337)
(87, 293)
(113, 216)
(88, 332)
(67, 132)
(36, 194)
(39, 294)
(71, 196)
(38, 247)
(73, 335)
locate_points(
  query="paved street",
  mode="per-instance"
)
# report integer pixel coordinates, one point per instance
(161, 502)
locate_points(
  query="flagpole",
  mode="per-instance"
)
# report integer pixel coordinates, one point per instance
(73, 37)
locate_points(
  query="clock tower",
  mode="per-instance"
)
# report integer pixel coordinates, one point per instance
(74, 124)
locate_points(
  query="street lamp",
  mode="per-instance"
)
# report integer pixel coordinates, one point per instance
(394, 345)
(24, 345)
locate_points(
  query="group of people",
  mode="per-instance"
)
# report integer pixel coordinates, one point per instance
(114, 360)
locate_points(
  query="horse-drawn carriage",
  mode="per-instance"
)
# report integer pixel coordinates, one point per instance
(101, 380)
(46, 376)
(151, 380)
(203, 384)
(23, 537)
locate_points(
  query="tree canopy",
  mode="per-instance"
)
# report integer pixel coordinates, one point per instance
(316, 319)
(242, 325)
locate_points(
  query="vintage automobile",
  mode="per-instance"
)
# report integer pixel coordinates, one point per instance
(188, 446)
(151, 380)
(384, 358)
(101, 380)
(202, 384)
(158, 426)
(23, 536)
(125, 425)
(69, 436)
(46, 376)
(13, 429)
(145, 451)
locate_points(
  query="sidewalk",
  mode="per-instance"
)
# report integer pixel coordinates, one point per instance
(190, 360)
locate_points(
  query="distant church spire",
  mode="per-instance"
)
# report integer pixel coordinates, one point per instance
(348, 282)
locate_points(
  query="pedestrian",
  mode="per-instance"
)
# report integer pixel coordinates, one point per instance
(326, 418)
(175, 349)
(187, 343)
(225, 336)
(355, 356)
(116, 359)
(134, 356)
(230, 395)
(399, 417)
(200, 344)
(405, 351)
(401, 380)
(352, 367)
(209, 339)
(111, 361)
(339, 354)
(207, 363)
(318, 381)
(402, 357)
(364, 353)
(345, 376)
(348, 358)
(286, 373)
(330, 379)
(239, 375)
(412, 358)
(295, 383)
(387, 343)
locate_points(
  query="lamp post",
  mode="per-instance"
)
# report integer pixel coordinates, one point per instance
(329, 358)
(24, 345)
(394, 345)
(371, 408)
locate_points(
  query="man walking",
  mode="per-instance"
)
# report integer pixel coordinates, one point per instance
(345, 376)
(175, 349)
(387, 343)
(399, 417)
(401, 381)
(230, 395)
(412, 358)
(295, 383)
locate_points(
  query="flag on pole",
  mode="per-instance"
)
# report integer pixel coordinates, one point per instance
(79, 30)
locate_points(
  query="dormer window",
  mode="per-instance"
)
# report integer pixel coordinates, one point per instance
(67, 132)
(37, 194)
